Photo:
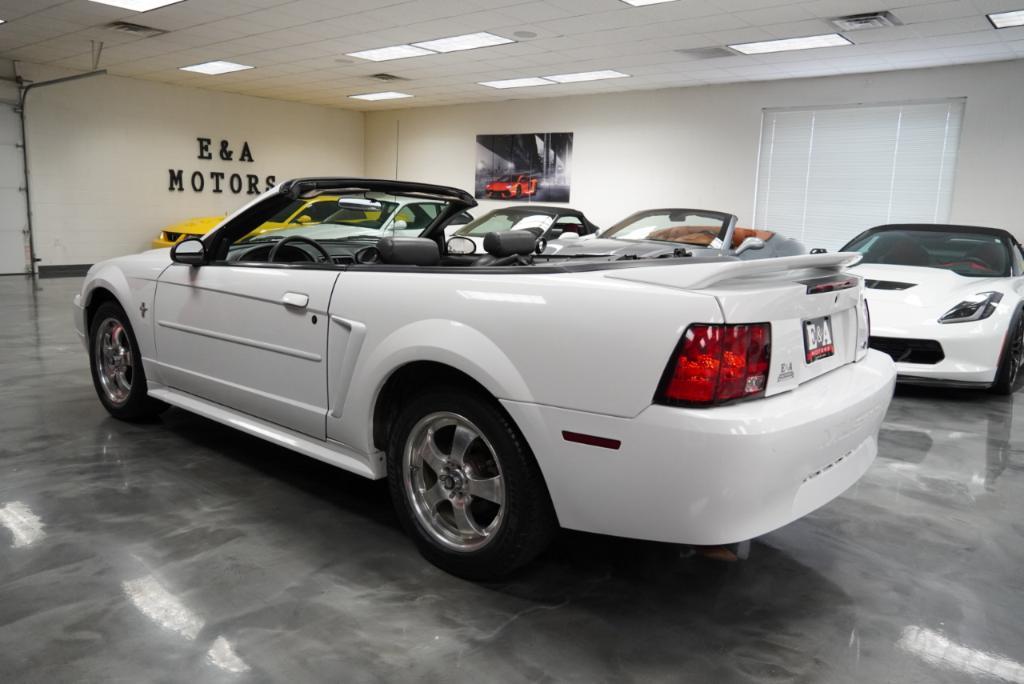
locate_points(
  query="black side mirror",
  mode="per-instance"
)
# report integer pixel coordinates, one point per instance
(819, 250)
(189, 251)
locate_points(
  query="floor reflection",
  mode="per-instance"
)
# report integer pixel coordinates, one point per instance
(24, 525)
(167, 610)
(983, 427)
(939, 650)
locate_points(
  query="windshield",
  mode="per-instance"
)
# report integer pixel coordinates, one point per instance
(507, 219)
(372, 218)
(671, 225)
(353, 216)
(977, 255)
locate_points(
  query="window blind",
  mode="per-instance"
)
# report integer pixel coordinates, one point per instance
(825, 174)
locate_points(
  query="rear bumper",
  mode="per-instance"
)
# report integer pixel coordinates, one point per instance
(718, 475)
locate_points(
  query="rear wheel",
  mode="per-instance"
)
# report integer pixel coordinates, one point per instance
(1010, 375)
(116, 365)
(466, 486)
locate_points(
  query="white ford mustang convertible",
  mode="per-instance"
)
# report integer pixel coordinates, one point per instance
(946, 302)
(716, 400)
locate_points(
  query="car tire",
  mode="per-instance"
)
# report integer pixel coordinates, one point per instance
(465, 485)
(116, 365)
(1010, 374)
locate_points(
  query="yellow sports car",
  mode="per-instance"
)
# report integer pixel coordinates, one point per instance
(313, 210)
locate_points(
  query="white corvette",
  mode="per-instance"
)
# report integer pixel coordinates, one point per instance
(717, 399)
(946, 303)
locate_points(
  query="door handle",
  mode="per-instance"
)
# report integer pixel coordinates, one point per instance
(296, 299)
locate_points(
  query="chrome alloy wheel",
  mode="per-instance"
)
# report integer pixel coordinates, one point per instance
(453, 481)
(114, 363)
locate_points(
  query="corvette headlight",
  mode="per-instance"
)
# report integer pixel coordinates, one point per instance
(975, 308)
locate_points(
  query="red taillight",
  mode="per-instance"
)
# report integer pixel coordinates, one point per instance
(717, 363)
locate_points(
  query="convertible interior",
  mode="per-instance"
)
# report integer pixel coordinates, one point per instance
(500, 249)
(703, 236)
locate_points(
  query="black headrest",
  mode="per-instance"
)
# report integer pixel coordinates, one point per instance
(510, 243)
(409, 251)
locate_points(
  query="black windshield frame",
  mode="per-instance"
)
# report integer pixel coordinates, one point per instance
(1006, 239)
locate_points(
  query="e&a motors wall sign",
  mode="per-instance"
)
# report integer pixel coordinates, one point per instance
(221, 181)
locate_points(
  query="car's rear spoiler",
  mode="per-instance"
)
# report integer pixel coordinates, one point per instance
(699, 276)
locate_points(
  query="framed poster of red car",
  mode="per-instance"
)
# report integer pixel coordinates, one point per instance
(524, 167)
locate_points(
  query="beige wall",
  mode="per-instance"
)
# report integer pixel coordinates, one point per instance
(100, 150)
(698, 146)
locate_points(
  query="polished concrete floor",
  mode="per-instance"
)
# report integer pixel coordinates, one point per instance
(185, 551)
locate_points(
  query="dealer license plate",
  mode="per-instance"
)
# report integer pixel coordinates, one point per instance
(818, 342)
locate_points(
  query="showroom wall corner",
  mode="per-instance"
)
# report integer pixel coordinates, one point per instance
(105, 152)
(698, 146)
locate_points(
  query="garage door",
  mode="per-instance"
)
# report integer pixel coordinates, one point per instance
(13, 217)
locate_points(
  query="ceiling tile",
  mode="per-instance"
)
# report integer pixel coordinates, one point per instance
(299, 46)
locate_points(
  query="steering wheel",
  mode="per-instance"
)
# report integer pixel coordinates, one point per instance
(303, 239)
(368, 255)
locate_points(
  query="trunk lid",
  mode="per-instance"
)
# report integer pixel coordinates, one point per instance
(786, 292)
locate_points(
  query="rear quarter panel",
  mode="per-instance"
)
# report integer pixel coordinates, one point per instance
(577, 341)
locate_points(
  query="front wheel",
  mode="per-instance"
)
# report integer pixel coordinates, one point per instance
(116, 365)
(466, 486)
(1010, 375)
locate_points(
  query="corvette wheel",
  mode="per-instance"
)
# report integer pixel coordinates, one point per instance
(116, 365)
(1010, 375)
(466, 487)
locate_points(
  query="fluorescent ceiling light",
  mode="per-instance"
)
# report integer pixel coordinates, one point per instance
(214, 68)
(807, 43)
(394, 52)
(517, 82)
(373, 97)
(138, 5)
(641, 3)
(1007, 19)
(469, 41)
(586, 76)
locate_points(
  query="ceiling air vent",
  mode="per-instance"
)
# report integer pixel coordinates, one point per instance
(707, 52)
(387, 77)
(137, 30)
(869, 20)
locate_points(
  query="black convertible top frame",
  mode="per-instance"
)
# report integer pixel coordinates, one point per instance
(934, 228)
(310, 187)
(218, 242)
(457, 200)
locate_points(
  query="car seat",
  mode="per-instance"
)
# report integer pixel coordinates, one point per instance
(505, 248)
